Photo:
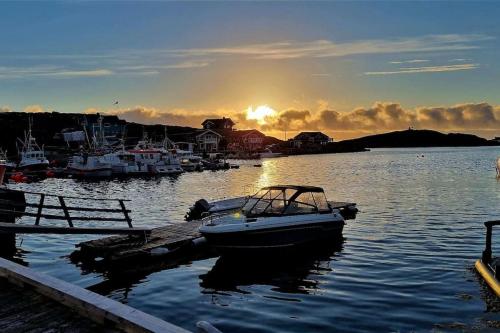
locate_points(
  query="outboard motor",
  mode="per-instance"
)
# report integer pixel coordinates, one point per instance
(197, 210)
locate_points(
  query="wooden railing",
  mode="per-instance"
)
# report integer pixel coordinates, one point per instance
(66, 210)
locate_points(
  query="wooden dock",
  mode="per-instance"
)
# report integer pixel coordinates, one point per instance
(35, 302)
(161, 241)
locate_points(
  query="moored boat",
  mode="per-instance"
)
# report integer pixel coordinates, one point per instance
(88, 166)
(4, 161)
(31, 154)
(276, 217)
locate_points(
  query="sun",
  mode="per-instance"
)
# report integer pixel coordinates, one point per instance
(260, 113)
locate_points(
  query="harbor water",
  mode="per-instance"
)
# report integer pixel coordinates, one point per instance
(406, 264)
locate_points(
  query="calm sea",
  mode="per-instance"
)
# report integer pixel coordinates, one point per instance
(406, 263)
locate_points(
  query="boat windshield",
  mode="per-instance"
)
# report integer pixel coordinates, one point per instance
(286, 201)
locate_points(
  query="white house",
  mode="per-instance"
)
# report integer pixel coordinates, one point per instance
(208, 140)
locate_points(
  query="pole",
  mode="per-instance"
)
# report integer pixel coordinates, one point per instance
(2, 173)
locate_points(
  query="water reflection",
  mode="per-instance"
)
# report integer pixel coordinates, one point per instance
(294, 273)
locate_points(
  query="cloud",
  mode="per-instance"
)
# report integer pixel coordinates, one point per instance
(5, 108)
(413, 61)
(380, 117)
(34, 108)
(327, 48)
(427, 69)
(50, 71)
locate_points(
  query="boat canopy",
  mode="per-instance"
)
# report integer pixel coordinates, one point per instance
(286, 200)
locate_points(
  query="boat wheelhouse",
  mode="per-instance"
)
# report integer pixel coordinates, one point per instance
(280, 216)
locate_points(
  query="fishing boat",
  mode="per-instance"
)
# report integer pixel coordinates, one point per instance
(276, 217)
(32, 156)
(88, 165)
(489, 266)
(4, 161)
(122, 162)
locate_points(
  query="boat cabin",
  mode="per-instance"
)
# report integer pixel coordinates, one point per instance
(287, 200)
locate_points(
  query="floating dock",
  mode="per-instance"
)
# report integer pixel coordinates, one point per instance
(122, 249)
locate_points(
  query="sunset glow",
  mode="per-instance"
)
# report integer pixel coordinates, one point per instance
(261, 113)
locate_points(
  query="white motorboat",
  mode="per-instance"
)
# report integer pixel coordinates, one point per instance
(189, 161)
(88, 165)
(4, 161)
(269, 154)
(276, 217)
(32, 156)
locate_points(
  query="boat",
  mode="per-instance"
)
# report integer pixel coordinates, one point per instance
(276, 217)
(32, 156)
(268, 153)
(189, 161)
(489, 266)
(122, 162)
(4, 161)
(88, 165)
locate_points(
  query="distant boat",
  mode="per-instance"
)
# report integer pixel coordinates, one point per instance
(32, 156)
(276, 217)
(269, 154)
(4, 161)
(91, 163)
(88, 165)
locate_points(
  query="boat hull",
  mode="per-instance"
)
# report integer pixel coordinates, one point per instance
(90, 173)
(33, 166)
(274, 239)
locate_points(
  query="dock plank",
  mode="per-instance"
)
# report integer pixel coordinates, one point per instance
(118, 247)
(72, 300)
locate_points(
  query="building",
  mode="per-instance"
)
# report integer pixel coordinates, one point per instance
(207, 140)
(246, 140)
(307, 139)
(218, 124)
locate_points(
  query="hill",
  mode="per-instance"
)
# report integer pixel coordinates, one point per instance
(419, 138)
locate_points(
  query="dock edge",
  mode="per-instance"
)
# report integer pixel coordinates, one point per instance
(96, 307)
(488, 277)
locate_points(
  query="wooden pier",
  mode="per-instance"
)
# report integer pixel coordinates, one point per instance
(35, 302)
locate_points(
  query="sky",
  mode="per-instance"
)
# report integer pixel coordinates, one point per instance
(347, 68)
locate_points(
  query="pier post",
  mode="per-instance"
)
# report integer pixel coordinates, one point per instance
(487, 251)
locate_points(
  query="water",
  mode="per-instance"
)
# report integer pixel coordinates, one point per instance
(406, 263)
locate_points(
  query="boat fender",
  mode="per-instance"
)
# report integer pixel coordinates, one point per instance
(200, 241)
(159, 251)
(206, 327)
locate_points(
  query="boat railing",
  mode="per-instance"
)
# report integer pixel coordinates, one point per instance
(487, 257)
(72, 209)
